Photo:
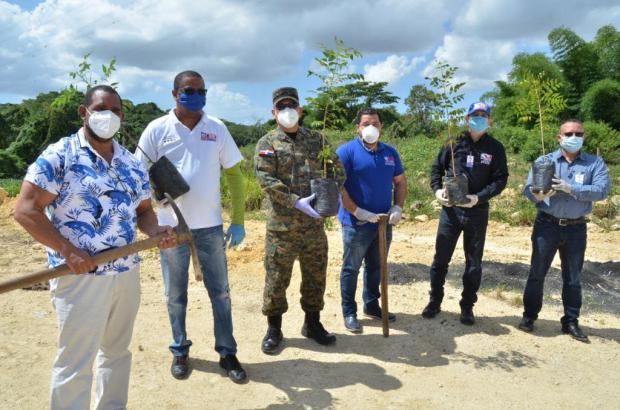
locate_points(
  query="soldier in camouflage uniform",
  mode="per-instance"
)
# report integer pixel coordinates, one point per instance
(286, 160)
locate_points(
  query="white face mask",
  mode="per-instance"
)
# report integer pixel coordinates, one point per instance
(104, 123)
(288, 117)
(370, 134)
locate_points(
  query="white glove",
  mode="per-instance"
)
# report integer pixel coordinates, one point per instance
(441, 196)
(364, 215)
(473, 200)
(396, 212)
(539, 196)
(561, 185)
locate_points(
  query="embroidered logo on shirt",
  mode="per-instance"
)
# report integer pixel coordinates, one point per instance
(486, 158)
(168, 139)
(266, 153)
(389, 160)
(207, 136)
(579, 178)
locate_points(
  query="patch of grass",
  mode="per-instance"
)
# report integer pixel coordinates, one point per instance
(11, 186)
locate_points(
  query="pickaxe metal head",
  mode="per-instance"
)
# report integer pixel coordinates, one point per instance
(184, 234)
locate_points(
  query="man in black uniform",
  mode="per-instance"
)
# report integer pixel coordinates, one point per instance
(483, 160)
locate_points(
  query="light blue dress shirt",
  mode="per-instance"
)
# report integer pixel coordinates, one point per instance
(589, 180)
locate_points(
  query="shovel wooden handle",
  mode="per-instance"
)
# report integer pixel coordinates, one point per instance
(383, 222)
(102, 257)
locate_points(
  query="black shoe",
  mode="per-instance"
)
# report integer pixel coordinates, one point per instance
(376, 314)
(431, 310)
(352, 324)
(180, 367)
(233, 368)
(272, 340)
(572, 328)
(526, 324)
(313, 329)
(467, 316)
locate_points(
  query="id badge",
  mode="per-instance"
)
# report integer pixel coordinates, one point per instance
(470, 161)
(579, 178)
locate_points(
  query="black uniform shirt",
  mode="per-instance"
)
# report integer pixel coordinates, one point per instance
(483, 162)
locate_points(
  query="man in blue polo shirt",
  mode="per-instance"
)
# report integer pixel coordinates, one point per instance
(560, 225)
(372, 168)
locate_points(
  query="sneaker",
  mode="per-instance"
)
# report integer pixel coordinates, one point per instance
(352, 324)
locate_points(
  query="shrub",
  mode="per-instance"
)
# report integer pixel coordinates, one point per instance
(602, 103)
(10, 165)
(604, 138)
(513, 138)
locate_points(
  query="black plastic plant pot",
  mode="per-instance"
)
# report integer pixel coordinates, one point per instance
(456, 189)
(326, 201)
(542, 175)
(166, 178)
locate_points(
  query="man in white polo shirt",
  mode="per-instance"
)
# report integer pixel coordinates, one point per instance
(198, 145)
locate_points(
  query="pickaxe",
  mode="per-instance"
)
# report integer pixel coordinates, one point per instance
(184, 235)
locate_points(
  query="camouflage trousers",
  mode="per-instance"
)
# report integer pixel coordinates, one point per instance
(281, 250)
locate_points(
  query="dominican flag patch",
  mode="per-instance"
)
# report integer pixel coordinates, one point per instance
(486, 158)
(208, 136)
(266, 153)
(389, 160)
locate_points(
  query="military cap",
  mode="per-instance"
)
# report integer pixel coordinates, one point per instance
(284, 93)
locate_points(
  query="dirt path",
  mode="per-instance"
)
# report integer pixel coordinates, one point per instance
(423, 364)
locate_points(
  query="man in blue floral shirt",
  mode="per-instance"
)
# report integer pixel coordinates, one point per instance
(84, 194)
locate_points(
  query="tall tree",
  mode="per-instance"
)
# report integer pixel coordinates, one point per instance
(422, 103)
(579, 63)
(607, 47)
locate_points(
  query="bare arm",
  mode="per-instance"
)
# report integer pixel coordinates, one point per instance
(400, 189)
(347, 202)
(29, 213)
(147, 223)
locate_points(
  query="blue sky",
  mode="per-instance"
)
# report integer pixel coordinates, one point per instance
(245, 49)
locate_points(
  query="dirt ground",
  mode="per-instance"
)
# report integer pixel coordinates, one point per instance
(431, 364)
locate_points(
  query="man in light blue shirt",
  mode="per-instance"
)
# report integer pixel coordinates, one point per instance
(560, 225)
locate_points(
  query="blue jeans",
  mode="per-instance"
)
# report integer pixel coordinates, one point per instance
(452, 221)
(547, 238)
(361, 244)
(175, 266)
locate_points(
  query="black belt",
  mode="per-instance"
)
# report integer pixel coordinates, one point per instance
(563, 221)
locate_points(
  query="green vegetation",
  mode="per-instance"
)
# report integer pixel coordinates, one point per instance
(580, 79)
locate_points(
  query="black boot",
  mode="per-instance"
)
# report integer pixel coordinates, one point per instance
(313, 329)
(432, 309)
(274, 336)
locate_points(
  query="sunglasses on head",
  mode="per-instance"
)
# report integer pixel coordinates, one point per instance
(284, 105)
(573, 134)
(191, 91)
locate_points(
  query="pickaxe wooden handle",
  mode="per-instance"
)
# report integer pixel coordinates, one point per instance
(383, 222)
(183, 236)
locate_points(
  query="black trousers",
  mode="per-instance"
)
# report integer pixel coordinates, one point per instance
(452, 221)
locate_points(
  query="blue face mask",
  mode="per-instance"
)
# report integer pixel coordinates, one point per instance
(571, 144)
(478, 124)
(194, 102)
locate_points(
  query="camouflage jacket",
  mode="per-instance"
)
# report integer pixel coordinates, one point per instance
(284, 168)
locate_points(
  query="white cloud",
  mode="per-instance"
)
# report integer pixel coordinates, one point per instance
(479, 63)
(231, 105)
(392, 69)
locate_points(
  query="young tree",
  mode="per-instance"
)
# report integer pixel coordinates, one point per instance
(333, 73)
(541, 102)
(448, 97)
